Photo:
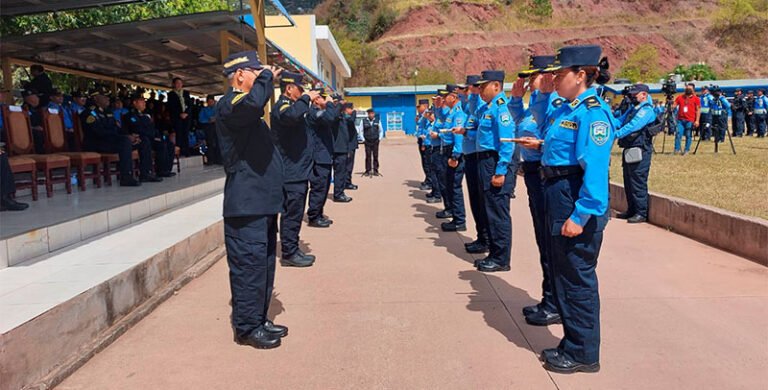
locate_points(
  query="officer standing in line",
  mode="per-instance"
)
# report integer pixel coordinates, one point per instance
(253, 196)
(443, 152)
(720, 111)
(474, 187)
(427, 125)
(422, 106)
(456, 118)
(294, 141)
(750, 112)
(497, 167)
(576, 152)
(545, 312)
(323, 117)
(739, 111)
(636, 157)
(340, 155)
(349, 116)
(371, 134)
(761, 113)
(705, 120)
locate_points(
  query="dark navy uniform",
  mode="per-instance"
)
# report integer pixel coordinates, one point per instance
(371, 130)
(101, 135)
(321, 123)
(253, 196)
(295, 143)
(634, 139)
(739, 112)
(135, 122)
(578, 136)
(340, 156)
(353, 146)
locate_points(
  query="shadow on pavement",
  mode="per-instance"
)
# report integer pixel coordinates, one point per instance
(275, 307)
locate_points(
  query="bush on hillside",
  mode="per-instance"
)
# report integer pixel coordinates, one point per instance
(642, 65)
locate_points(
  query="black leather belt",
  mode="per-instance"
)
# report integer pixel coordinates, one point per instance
(531, 167)
(445, 149)
(548, 173)
(487, 154)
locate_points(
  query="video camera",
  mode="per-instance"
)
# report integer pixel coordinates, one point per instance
(626, 90)
(715, 90)
(669, 88)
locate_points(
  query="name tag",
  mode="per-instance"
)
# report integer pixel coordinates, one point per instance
(53, 111)
(569, 125)
(685, 109)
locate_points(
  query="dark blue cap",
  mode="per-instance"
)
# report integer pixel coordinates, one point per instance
(637, 88)
(586, 55)
(537, 64)
(452, 88)
(473, 79)
(491, 75)
(423, 101)
(291, 78)
(244, 59)
(321, 90)
(441, 93)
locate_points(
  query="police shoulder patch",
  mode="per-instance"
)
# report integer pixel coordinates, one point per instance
(505, 119)
(598, 132)
(592, 102)
(501, 102)
(557, 102)
(90, 120)
(238, 97)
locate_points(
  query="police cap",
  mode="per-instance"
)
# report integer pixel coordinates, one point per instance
(472, 79)
(423, 101)
(637, 88)
(491, 75)
(244, 59)
(287, 78)
(29, 92)
(570, 56)
(452, 88)
(536, 65)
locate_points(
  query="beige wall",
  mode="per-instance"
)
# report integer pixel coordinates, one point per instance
(326, 67)
(298, 41)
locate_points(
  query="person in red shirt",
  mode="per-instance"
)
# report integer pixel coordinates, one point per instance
(688, 108)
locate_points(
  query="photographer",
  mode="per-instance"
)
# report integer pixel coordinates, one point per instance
(688, 115)
(720, 109)
(637, 142)
(739, 110)
(705, 120)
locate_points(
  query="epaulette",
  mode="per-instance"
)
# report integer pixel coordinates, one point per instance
(592, 102)
(284, 105)
(238, 97)
(557, 102)
(501, 102)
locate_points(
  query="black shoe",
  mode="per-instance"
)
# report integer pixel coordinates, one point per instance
(166, 174)
(8, 204)
(473, 243)
(562, 364)
(543, 318)
(425, 187)
(444, 214)
(319, 223)
(637, 219)
(492, 266)
(434, 200)
(260, 338)
(351, 187)
(480, 261)
(311, 257)
(528, 310)
(275, 330)
(342, 199)
(367, 174)
(297, 260)
(476, 248)
(623, 215)
(129, 182)
(452, 227)
(376, 173)
(326, 219)
(549, 353)
(150, 179)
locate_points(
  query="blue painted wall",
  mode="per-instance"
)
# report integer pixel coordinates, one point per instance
(396, 103)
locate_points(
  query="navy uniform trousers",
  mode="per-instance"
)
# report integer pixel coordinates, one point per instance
(705, 123)
(497, 207)
(574, 262)
(719, 127)
(319, 185)
(476, 198)
(535, 188)
(251, 244)
(636, 185)
(350, 165)
(739, 121)
(434, 181)
(425, 163)
(339, 174)
(455, 187)
(295, 194)
(440, 165)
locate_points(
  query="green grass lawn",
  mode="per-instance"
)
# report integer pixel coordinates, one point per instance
(738, 183)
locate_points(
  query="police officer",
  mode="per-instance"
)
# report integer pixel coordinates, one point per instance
(474, 187)
(295, 145)
(636, 157)
(322, 118)
(102, 135)
(720, 110)
(252, 197)
(421, 122)
(761, 113)
(750, 112)
(371, 132)
(427, 125)
(739, 111)
(455, 119)
(138, 123)
(496, 168)
(349, 117)
(441, 152)
(705, 119)
(545, 312)
(576, 152)
(340, 156)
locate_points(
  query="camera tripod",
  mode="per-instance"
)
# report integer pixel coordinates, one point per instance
(727, 132)
(668, 121)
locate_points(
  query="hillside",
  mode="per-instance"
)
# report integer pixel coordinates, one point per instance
(449, 39)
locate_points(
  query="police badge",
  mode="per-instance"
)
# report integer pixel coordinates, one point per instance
(599, 133)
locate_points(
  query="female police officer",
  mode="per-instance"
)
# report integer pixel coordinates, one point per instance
(576, 152)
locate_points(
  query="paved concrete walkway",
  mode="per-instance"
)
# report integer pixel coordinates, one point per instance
(394, 303)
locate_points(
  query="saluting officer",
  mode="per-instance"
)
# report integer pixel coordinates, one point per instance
(101, 135)
(349, 116)
(636, 157)
(442, 152)
(322, 118)
(576, 152)
(294, 141)
(545, 312)
(340, 156)
(421, 122)
(456, 119)
(253, 195)
(497, 167)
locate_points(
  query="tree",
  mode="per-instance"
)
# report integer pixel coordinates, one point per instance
(696, 72)
(642, 65)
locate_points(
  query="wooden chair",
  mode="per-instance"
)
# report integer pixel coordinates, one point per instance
(56, 142)
(21, 165)
(21, 143)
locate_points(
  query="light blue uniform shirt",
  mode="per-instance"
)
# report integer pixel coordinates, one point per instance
(706, 103)
(761, 105)
(721, 106)
(66, 114)
(422, 129)
(494, 124)
(636, 119)
(456, 118)
(470, 136)
(580, 133)
(118, 114)
(446, 137)
(437, 125)
(206, 113)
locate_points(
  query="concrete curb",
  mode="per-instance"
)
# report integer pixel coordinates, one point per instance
(44, 351)
(735, 233)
